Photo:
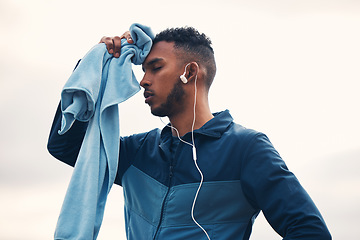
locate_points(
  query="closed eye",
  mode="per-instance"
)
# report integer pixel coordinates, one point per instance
(156, 69)
(153, 64)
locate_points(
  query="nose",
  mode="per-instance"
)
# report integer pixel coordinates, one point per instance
(145, 82)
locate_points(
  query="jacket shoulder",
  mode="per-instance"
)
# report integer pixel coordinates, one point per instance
(238, 131)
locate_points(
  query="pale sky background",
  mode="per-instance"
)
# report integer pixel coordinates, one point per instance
(287, 68)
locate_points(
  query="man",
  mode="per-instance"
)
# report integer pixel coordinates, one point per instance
(213, 180)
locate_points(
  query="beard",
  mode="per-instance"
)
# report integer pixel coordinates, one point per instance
(172, 104)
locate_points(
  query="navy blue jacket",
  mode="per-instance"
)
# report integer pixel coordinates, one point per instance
(243, 175)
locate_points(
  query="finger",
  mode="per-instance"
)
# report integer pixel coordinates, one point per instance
(102, 39)
(109, 43)
(128, 37)
(117, 46)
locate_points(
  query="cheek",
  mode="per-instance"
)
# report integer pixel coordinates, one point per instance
(167, 81)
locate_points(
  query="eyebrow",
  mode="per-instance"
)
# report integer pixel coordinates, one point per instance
(151, 62)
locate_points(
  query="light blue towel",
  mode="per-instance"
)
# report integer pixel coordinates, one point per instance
(93, 93)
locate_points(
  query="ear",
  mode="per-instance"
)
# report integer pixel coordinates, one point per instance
(192, 72)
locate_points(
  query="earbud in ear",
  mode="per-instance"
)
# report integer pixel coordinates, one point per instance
(183, 79)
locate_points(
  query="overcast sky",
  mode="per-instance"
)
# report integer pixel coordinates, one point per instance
(287, 68)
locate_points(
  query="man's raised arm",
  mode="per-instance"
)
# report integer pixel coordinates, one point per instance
(66, 147)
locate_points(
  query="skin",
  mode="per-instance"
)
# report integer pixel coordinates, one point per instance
(113, 44)
(163, 90)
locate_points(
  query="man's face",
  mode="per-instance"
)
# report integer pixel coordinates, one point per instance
(163, 90)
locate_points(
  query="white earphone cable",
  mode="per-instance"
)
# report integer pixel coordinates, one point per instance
(195, 159)
(195, 162)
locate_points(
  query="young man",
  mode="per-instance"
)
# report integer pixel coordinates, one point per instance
(238, 171)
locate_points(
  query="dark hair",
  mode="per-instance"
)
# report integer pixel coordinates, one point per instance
(192, 46)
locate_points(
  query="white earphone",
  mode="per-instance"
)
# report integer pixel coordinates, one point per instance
(182, 77)
(192, 144)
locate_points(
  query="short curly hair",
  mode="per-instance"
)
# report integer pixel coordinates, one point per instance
(191, 46)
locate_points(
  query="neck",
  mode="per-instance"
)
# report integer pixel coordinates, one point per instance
(183, 122)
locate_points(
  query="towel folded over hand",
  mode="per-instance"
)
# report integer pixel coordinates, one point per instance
(92, 93)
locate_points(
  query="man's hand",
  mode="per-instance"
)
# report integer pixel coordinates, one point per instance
(113, 44)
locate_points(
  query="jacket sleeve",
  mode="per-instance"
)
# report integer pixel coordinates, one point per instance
(66, 147)
(271, 187)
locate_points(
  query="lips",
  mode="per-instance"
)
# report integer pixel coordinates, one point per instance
(148, 95)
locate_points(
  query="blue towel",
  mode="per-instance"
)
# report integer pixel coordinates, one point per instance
(93, 93)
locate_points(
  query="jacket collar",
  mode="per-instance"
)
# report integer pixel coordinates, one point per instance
(213, 128)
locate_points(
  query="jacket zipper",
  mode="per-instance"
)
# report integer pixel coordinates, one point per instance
(164, 201)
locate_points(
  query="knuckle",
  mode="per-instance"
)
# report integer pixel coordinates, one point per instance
(102, 39)
(105, 40)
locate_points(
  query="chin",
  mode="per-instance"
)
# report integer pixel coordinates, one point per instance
(158, 113)
(162, 110)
